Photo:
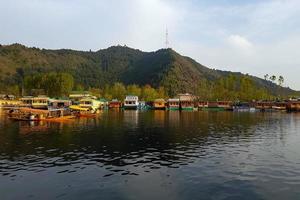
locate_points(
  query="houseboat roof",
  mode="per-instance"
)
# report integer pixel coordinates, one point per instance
(59, 100)
(159, 100)
(173, 100)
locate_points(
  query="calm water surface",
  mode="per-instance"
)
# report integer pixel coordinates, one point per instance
(153, 155)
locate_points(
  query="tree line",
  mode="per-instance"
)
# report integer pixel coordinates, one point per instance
(233, 88)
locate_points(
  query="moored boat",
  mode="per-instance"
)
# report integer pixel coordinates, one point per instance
(212, 106)
(115, 104)
(131, 102)
(264, 106)
(280, 106)
(159, 104)
(173, 104)
(186, 101)
(293, 106)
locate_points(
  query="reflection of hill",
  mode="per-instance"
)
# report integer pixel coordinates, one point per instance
(129, 138)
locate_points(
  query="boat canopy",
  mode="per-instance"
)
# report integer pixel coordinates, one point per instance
(76, 107)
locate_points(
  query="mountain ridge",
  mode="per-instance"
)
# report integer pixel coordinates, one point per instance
(164, 67)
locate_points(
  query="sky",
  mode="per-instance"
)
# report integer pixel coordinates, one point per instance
(256, 36)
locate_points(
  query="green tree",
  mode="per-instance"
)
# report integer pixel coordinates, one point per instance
(134, 90)
(118, 91)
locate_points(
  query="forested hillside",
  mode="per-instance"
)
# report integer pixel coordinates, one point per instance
(164, 68)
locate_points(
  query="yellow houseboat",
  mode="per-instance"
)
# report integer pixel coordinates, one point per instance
(159, 104)
(40, 102)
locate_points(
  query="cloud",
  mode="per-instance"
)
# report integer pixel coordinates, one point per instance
(254, 37)
(239, 42)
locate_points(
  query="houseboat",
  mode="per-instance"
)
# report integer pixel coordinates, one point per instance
(264, 105)
(40, 102)
(159, 104)
(243, 107)
(293, 106)
(59, 103)
(131, 102)
(6, 103)
(212, 106)
(115, 104)
(173, 104)
(90, 103)
(186, 101)
(201, 104)
(225, 105)
(280, 106)
(30, 114)
(26, 101)
(77, 96)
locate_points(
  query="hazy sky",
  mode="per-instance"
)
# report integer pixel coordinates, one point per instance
(255, 36)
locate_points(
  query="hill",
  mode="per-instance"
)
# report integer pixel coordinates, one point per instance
(164, 67)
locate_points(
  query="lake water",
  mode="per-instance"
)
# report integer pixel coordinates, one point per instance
(153, 155)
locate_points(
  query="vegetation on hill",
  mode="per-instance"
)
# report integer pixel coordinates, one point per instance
(22, 67)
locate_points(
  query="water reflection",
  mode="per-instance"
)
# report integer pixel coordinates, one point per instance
(133, 143)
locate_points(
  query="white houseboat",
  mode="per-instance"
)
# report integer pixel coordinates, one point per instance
(131, 102)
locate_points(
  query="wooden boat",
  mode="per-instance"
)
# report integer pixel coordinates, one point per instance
(159, 104)
(243, 107)
(30, 114)
(83, 112)
(173, 104)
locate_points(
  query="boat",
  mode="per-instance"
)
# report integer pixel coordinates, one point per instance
(201, 104)
(264, 106)
(115, 104)
(40, 102)
(26, 101)
(59, 103)
(293, 106)
(186, 101)
(173, 104)
(83, 112)
(131, 102)
(213, 106)
(280, 106)
(31, 114)
(90, 103)
(225, 105)
(242, 107)
(159, 104)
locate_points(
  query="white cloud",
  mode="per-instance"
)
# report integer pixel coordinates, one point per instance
(239, 42)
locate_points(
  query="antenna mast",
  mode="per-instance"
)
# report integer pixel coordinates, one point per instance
(167, 38)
